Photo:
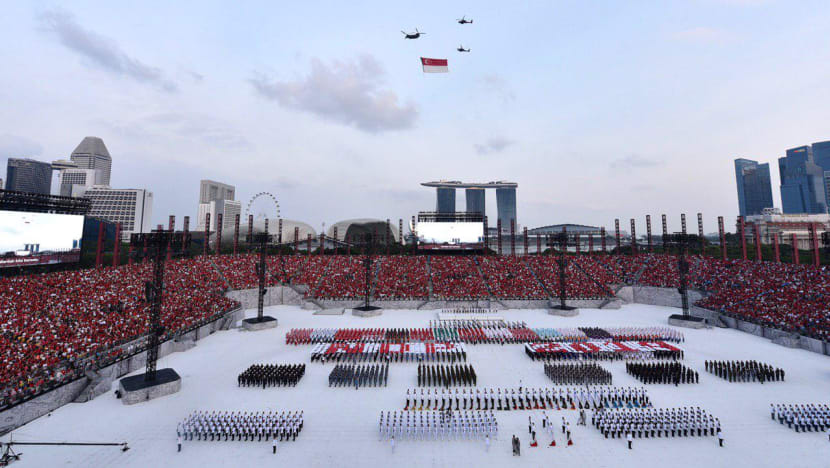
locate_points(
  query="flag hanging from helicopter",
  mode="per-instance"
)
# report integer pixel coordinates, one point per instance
(432, 65)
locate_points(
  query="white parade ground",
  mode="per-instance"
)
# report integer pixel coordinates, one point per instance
(341, 424)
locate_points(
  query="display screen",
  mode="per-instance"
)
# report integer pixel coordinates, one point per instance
(28, 239)
(437, 234)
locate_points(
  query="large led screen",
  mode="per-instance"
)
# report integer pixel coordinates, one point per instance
(28, 239)
(452, 233)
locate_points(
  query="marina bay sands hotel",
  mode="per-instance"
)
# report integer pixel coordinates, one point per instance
(474, 195)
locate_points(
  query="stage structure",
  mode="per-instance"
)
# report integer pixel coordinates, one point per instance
(369, 242)
(154, 383)
(261, 322)
(680, 241)
(563, 240)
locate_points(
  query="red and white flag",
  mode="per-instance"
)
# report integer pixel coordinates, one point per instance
(432, 65)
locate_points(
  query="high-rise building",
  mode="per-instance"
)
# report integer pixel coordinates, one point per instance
(91, 153)
(506, 203)
(133, 208)
(802, 182)
(210, 190)
(754, 186)
(445, 200)
(475, 200)
(227, 208)
(821, 156)
(74, 182)
(28, 175)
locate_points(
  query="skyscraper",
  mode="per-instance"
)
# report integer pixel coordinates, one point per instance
(445, 200)
(91, 153)
(506, 203)
(475, 200)
(133, 208)
(210, 190)
(28, 175)
(754, 187)
(802, 182)
(821, 156)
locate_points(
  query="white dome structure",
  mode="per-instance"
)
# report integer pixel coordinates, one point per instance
(348, 228)
(288, 225)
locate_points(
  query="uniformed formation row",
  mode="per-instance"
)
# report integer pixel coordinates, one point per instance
(745, 371)
(351, 375)
(388, 352)
(473, 331)
(803, 418)
(271, 375)
(438, 425)
(662, 373)
(539, 354)
(525, 398)
(651, 422)
(578, 373)
(241, 426)
(432, 375)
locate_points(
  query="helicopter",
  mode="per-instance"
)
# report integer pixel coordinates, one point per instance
(464, 20)
(462, 49)
(414, 35)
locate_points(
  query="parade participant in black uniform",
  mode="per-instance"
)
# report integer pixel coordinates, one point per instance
(662, 373)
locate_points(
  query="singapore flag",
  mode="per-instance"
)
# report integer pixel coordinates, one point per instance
(432, 65)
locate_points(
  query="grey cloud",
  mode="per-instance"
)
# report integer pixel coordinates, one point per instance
(101, 51)
(349, 93)
(634, 161)
(209, 130)
(13, 146)
(493, 145)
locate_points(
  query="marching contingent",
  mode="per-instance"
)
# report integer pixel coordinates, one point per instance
(351, 375)
(651, 423)
(523, 398)
(271, 375)
(389, 352)
(745, 371)
(803, 418)
(578, 373)
(438, 425)
(241, 426)
(430, 375)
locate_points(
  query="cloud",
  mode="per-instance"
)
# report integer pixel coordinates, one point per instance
(349, 93)
(493, 145)
(13, 146)
(100, 51)
(702, 34)
(498, 85)
(634, 161)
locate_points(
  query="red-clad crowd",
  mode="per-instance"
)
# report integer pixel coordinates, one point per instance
(345, 277)
(456, 278)
(510, 278)
(402, 277)
(52, 326)
(578, 284)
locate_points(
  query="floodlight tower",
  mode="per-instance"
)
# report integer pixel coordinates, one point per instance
(261, 321)
(680, 242)
(563, 240)
(368, 241)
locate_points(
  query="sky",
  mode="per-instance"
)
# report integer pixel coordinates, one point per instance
(598, 110)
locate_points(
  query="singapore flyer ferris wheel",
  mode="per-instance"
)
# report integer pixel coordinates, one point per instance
(263, 205)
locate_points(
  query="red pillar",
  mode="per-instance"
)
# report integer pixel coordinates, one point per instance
(576, 243)
(526, 240)
(590, 242)
(513, 237)
(308, 244)
(814, 244)
(538, 244)
(185, 230)
(602, 239)
(617, 233)
(757, 233)
(683, 223)
(250, 228)
(296, 240)
(776, 248)
(795, 248)
(722, 235)
(171, 225)
(130, 254)
(334, 231)
(100, 245)
(279, 231)
(219, 226)
(743, 237)
(322, 243)
(648, 232)
(207, 234)
(117, 247)
(236, 234)
(498, 236)
(633, 237)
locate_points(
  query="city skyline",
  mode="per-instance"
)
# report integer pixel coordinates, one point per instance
(640, 110)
